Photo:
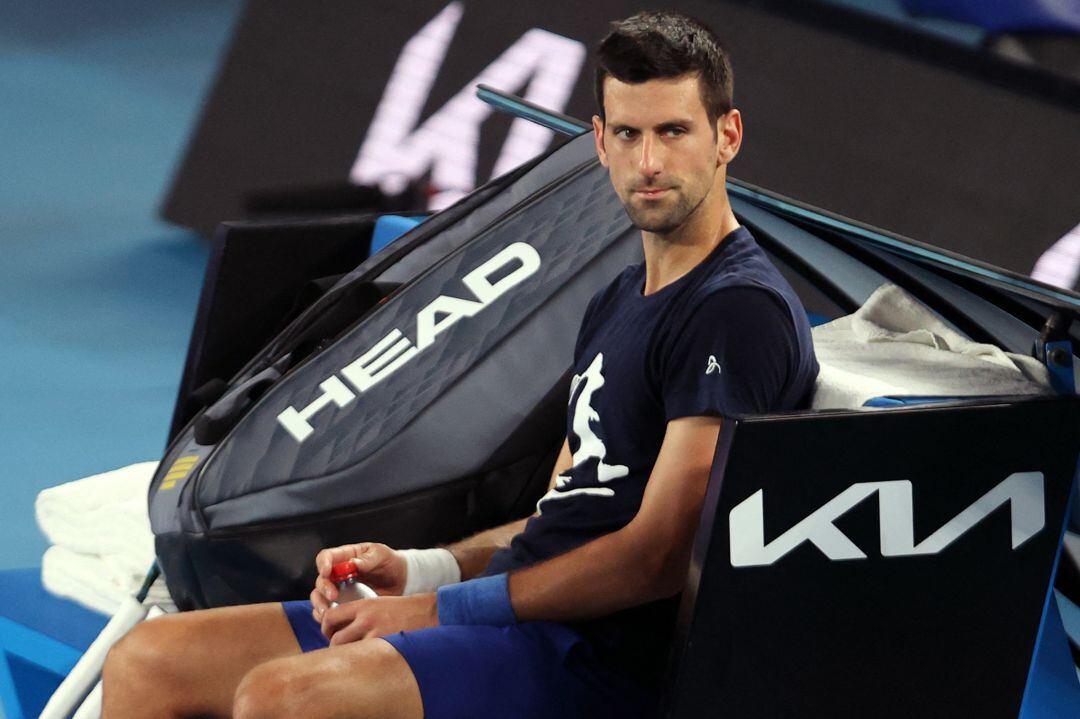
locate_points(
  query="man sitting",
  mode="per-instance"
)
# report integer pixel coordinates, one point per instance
(568, 613)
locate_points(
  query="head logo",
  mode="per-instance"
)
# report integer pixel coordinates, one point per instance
(391, 352)
(1022, 490)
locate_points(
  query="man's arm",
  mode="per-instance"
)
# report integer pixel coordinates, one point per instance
(383, 570)
(474, 553)
(645, 560)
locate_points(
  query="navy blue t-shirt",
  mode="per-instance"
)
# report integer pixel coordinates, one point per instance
(730, 337)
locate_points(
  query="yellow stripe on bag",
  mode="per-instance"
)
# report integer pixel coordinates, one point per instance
(179, 471)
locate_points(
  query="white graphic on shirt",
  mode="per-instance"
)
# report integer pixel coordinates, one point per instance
(713, 365)
(590, 446)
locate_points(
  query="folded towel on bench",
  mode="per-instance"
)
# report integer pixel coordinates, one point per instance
(894, 345)
(97, 582)
(100, 529)
(104, 514)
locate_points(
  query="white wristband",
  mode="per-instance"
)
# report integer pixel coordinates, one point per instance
(429, 569)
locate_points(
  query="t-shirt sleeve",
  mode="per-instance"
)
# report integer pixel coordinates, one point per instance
(731, 356)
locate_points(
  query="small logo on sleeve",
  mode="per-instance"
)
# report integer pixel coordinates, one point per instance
(713, 365)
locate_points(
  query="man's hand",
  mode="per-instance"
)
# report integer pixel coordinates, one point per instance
(368, 618)
(380, 567)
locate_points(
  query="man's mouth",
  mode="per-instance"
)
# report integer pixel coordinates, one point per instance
(651, 193)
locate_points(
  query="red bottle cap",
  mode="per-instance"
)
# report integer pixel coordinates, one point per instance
(343, 571)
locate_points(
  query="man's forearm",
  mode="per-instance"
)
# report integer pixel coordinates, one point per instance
(474, 553)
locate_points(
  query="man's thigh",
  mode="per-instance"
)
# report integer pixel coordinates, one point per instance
(532, 670)
(193, 661)
(367, 679)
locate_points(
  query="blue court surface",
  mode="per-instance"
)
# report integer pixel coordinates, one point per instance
(97, 294)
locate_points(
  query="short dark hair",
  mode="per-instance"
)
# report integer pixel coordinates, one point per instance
(652, 45)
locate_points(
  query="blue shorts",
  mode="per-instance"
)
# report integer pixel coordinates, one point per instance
(531, 670)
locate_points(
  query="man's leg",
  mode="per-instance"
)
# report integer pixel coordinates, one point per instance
(368, 679)
(190, 664)
(534, 670)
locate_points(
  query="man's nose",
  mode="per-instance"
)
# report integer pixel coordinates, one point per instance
(651, 162)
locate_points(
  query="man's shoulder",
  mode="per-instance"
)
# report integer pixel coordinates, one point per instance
(745, 293)
(626, 277)
(742, 308)
(742, 264)
(746, 274)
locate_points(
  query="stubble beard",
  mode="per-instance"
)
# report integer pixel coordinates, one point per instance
(660, 222)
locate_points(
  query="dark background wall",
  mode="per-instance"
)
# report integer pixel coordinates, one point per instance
(861, 117)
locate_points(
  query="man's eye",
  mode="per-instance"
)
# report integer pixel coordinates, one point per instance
(675, 131)
(624, 133)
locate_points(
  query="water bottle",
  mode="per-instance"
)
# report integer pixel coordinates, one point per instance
(350, 588)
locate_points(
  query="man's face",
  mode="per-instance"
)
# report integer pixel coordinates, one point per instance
(662, 152)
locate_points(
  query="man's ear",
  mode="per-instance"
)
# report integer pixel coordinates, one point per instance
(729, 134)
(598, 135)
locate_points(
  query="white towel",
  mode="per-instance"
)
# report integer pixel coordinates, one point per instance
(100, 583)
(103, 545)
(104, 515)
(893, 345)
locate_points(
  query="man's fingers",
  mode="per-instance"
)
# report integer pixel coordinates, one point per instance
(367, 555)
(336, 618)
(350, 633)
(326, 625)
(354, 615)
(327, 558)
(318, 606)
(326, 588)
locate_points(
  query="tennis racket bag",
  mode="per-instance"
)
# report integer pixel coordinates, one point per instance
(422, 398)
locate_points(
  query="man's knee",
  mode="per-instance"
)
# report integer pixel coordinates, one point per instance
(138, 653)
(313, 685)
(270, 690)
(138, 670)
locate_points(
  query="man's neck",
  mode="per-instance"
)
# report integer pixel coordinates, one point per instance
(669, 257)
